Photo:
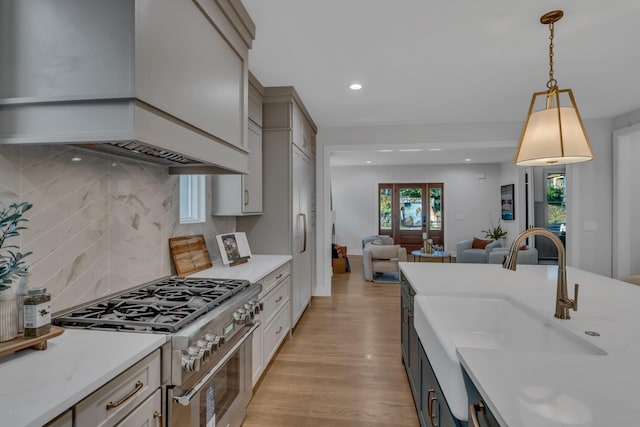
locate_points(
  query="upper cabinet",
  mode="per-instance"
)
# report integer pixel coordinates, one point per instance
(237, 195)
(172, 74)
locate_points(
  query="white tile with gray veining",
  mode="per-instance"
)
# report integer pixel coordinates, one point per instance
(100, 224)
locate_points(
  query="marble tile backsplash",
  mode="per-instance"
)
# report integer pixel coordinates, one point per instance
(98, 225)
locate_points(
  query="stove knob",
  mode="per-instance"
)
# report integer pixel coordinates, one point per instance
(240, 316)
(250, 308)
(188, 363)
(213, 341)
(205, 348)
(196, 355)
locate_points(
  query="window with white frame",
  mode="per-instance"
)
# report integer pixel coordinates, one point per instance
(192, 199)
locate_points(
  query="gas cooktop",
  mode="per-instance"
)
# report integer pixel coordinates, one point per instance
(164, 305)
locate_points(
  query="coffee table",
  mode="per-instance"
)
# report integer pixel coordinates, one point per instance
(436, 254)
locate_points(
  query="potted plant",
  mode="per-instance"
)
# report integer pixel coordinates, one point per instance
(495, 233)
(11, 265)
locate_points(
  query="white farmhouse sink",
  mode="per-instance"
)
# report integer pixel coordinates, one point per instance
(447, 323)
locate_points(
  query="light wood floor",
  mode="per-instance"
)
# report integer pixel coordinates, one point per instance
(343, 366)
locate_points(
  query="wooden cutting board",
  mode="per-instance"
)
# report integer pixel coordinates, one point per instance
(189, 254)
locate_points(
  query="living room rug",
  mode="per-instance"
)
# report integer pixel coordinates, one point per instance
(386, 278)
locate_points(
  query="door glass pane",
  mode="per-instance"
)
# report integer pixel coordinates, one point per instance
(410, 208)
(435, 209)
(556, 204)
(385, 208)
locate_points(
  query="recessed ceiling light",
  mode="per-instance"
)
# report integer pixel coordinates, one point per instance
(385, 151)
(467, 160)
(76, 159)
(435, 149)
(355, 86)
(368, 162)
(408, 150)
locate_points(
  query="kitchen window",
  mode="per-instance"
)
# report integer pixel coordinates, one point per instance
(192, 199)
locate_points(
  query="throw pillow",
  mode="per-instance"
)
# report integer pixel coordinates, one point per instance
(480, 243)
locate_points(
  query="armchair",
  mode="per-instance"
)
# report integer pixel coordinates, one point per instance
(466, 253)
(386, 240)
(382, 259)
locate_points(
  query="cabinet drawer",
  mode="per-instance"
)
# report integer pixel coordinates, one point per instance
(148, 414)
(64, 420)
(274, 333)
(112, 402)
(275, 299)
(271, 280)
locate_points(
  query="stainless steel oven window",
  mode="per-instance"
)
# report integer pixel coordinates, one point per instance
(222, 391)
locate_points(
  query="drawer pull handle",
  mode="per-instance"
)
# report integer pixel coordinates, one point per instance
(474, 408)
(279, 298)
(279, 330)
(278, 276)
(136, 389)
(158, 415)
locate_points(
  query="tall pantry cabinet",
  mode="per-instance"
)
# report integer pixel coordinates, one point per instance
(287, 223)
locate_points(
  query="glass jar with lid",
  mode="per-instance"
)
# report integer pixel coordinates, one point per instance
(37, 313)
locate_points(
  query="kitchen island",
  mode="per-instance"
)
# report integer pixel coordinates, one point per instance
(541, 386)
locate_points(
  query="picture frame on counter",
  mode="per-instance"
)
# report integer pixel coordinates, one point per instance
(234, 248)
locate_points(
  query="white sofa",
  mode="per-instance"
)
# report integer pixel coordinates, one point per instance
(525, 256)
(465, 253)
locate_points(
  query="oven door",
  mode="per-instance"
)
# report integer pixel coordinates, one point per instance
(222, 394)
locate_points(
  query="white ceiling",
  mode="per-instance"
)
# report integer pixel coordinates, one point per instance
(427, 62)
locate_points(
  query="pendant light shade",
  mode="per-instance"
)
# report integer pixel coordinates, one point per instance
(553, 134)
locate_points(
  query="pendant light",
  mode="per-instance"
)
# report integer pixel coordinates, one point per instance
(555, 134)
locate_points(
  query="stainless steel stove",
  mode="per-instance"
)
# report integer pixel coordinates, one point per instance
(210, 322)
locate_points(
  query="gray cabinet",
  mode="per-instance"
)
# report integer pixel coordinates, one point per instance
(135, 393)
(237, 195)
(167, 73)
(479, 413)
(287, 223)
(434, 411)
(64, 420)
(430, 402)
(274, 318)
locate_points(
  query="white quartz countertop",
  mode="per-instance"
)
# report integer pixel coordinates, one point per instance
(253, 270)
(535, 388)
(37, 386)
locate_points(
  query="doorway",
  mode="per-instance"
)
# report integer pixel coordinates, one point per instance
(406, 212)
(626, 202)
(550, 208)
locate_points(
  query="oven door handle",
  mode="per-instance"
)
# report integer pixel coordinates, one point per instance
(185, 399)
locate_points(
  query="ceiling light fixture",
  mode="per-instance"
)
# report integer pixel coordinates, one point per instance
(467, 160)
(385, 151)
(368, 162)
(410, 150)
(555, 134)
(355, 86)
(76, 159)
(435, 149)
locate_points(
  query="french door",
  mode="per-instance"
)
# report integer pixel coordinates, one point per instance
(406, 211)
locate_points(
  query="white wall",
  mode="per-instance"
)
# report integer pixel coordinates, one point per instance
(589, 203)
(512, 174)
(469, 201)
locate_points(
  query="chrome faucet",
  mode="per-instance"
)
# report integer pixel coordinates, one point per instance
(563, 302)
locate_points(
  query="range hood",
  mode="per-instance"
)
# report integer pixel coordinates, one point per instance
(178, 164)
(121, 127)
(126, 78)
